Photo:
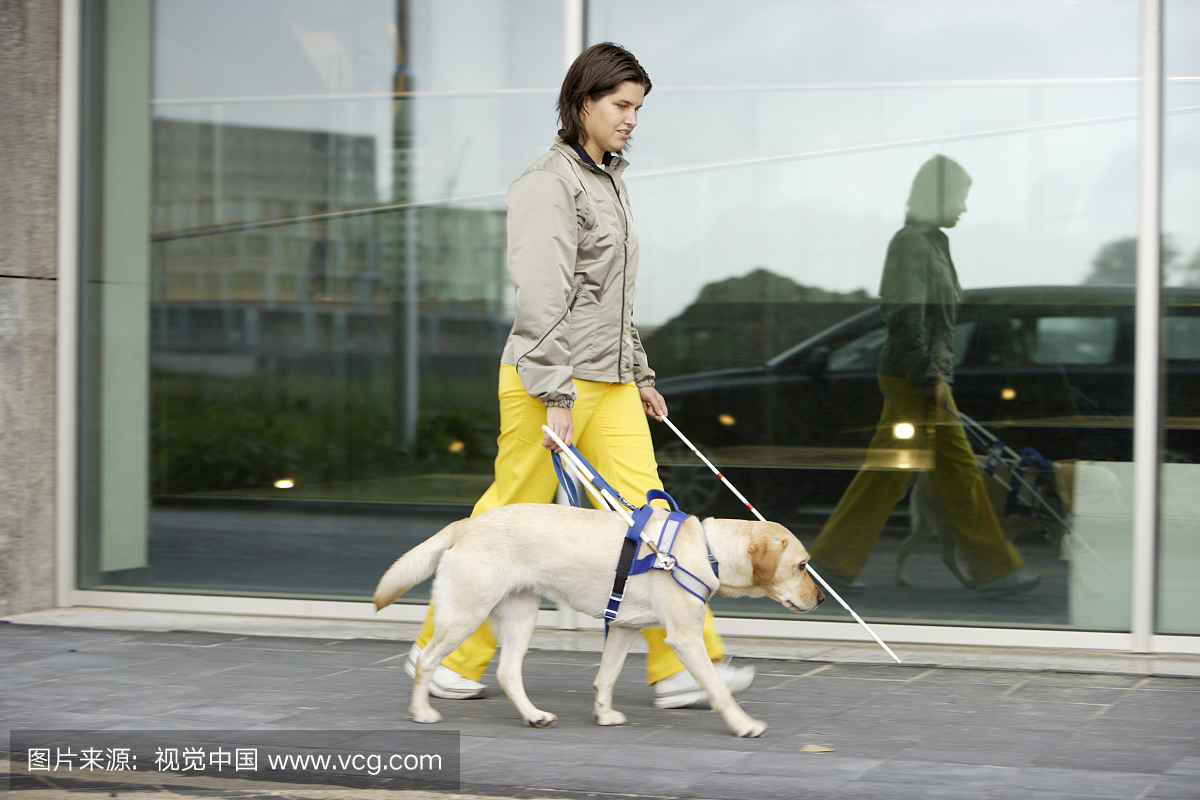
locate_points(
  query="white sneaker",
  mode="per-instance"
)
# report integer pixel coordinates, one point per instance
(446, 684)
(681, 689)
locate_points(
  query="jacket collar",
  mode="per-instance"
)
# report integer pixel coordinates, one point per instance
(613, 164)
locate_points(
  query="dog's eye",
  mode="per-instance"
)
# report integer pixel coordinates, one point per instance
(803, 565)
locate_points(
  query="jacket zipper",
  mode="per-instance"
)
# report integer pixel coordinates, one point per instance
(624, 277)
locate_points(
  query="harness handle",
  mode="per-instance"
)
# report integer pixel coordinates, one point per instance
(595, 479)
(659, 494)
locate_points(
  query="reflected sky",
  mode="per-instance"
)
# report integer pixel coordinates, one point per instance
(779, 134)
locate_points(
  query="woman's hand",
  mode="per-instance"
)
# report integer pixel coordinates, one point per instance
(653, 402)
(936, 396)
(558, 419)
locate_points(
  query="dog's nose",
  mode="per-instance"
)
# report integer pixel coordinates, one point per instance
(820, 597)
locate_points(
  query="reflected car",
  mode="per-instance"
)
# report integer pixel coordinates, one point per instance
(1047, 367)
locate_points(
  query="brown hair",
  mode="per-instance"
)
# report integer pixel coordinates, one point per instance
(596, 73)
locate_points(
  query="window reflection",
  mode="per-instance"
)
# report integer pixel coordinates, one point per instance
(327, 293)
(782, 221)
(323, 295)
(1178, 600)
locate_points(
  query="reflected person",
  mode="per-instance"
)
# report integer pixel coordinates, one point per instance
(920, 294)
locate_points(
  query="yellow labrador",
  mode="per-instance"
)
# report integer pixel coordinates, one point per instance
(495, 566)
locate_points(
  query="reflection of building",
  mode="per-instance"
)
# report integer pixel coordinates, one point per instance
(311, 296)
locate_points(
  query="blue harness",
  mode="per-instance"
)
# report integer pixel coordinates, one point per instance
(1014, 503)
(659, 556)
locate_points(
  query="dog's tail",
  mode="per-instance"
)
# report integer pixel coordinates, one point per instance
(414, 566)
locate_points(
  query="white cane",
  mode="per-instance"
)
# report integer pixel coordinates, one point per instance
(761, 518)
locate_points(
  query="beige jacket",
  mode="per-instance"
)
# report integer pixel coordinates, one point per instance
(572, 256)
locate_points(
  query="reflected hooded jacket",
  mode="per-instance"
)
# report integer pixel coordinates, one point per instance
(572, 257)
(920, 293)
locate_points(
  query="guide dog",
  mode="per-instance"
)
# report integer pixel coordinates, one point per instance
(928, 515)
(495, 567)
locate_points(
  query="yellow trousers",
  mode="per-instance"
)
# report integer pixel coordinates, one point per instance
(612, 432)
(850, 534)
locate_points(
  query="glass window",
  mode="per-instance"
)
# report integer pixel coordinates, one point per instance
(296, 291)
(785, 177)
(1178, 607)
(296, 285)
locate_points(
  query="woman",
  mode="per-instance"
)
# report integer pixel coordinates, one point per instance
(573, 360)
(920, 293)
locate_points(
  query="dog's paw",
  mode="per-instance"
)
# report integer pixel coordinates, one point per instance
(610, 717)
(543, 719)
(755, 729)
(426, 716)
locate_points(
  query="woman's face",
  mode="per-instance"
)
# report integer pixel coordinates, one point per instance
(609, 122)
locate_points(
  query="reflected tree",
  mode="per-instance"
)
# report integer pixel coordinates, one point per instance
(1116, 263)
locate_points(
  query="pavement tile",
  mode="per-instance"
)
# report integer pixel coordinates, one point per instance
(384, 648)
(1091, 695)
(1180, 725)
(1132, 754)
(955, 691)
(85, 664)
(183, 638)
(881, 672)
(933, 789)
(1015, 793)
(795, 669)
(1078, 680)
(989, 676)
(201, 655)
(278, 643)
(753, 787)
(1098, 784)
(54, 719)
(1155, 683)
(1148, 704)
(919, 770)
(1189, 766)
(285, 670)
(1174, 787)
(795, 763)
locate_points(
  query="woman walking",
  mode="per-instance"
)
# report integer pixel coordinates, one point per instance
(573, 360)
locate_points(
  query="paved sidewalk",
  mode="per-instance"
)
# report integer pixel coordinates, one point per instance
(885, 731)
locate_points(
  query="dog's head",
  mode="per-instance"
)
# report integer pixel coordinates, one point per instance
(773, 564)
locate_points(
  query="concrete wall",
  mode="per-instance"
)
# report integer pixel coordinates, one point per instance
(29, 33)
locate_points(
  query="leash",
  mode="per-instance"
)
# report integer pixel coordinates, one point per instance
(761, 518)
(998, 452)
(575, 465)
(995, 449)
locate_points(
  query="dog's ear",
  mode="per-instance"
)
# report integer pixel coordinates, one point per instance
(764, 557)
